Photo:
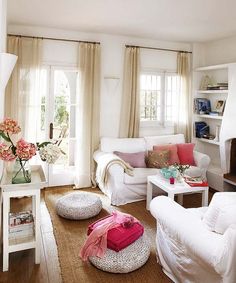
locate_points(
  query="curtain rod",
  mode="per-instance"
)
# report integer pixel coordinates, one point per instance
(156, 48)
(51, 38)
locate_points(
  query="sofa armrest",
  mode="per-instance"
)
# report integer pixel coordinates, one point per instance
(201, 160)
(115, 170)
(188, 230)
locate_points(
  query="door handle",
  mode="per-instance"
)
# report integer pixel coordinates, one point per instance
(51, 131)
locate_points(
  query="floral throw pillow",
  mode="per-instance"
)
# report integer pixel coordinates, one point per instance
(158, 159)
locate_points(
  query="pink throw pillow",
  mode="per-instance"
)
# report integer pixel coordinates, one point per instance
(174, 158)
(136, 160)
(185, 153)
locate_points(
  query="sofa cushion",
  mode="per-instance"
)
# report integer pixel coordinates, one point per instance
(219, 203)
(226, 217)
(185, 153)
(161, 140)
(173, 152)
(157, 159)
(139, 176)
(136, 159)
(122, 144)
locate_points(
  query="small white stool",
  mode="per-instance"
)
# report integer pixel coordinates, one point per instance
(78, 206)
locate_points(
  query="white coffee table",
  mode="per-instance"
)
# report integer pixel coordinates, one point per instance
(176, 189)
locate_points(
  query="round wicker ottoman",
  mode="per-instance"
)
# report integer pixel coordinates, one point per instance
(126, 260)
(78, 206)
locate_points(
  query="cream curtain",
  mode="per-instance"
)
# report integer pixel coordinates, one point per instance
(130, 117)
(183, 119)
(23, 90)
(88, 112)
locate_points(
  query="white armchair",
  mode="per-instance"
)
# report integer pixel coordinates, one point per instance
(197, 245)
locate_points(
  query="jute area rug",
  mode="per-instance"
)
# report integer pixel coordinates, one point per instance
(70, 236)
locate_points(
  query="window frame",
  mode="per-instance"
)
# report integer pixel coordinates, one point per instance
(155, 123)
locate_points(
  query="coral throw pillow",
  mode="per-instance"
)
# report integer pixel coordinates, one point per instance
(158, 159)
(136, 160)
(174, 158)
(185, 153)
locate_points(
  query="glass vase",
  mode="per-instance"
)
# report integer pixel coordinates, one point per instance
(21, 172)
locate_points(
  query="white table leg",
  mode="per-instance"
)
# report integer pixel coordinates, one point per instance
(180, 199)
(205, 197)
(149, 195)
(6, 209)
(171, 195)
(36, 200)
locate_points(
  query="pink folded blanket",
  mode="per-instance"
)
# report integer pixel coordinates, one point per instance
(117, 225)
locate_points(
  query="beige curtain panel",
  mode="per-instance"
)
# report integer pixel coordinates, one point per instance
(183, 119)
(23, 91)
(88, 112)
(130, 105)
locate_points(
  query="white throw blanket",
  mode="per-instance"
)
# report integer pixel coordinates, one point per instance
(105, 162)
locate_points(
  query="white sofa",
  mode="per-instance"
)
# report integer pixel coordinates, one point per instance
(197, 245)
(122, 188)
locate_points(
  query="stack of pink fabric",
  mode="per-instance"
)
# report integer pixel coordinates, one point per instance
(116, 232)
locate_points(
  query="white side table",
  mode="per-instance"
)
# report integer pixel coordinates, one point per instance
(176, 189)
(9, 191)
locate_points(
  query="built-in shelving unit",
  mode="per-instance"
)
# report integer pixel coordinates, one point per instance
(218, 74)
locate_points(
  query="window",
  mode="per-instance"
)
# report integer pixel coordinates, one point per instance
(159, 93)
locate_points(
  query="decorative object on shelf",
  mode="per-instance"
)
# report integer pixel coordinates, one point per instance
(218, 86)
(219, 106)
(206, 80)
(202, 105)
(201, 129)
(22, 151)
(217, 137)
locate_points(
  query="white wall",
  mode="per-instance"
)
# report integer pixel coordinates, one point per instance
(112, 64)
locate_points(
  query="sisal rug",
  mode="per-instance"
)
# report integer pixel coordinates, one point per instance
(70, 236)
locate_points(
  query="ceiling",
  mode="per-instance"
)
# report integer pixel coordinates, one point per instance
(175, 20)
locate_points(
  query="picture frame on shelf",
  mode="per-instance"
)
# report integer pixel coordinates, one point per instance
(219, 106)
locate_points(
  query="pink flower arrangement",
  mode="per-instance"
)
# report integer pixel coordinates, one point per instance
(9, 152)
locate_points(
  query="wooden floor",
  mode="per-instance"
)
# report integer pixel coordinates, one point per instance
(21, 265)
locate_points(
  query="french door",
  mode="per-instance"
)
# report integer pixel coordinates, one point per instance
(58, 116)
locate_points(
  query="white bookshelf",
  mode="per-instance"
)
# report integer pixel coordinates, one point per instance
(220, 91)
(205, 116)
(209, 141)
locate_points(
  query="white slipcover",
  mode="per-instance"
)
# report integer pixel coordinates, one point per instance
(122, 188)
(187, 250)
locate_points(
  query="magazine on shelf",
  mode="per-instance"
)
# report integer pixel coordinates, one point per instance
(20, 218)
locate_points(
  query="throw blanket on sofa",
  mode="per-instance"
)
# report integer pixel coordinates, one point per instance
(105, 162)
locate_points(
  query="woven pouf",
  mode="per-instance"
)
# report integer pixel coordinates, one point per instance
(126, 260)
(78, 206)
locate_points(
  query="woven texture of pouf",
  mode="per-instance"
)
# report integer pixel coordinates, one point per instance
(126, 260)
(78, 206)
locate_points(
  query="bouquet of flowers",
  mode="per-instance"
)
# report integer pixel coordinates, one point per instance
(22, 151)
